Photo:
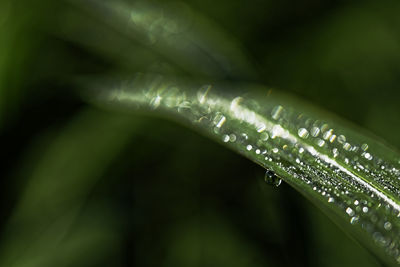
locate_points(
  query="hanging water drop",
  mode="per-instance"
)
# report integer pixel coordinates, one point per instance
(271, 178)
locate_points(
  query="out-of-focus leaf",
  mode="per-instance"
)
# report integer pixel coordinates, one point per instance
(63, 173)
(169, 31)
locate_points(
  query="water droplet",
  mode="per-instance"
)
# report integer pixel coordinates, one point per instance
(232, 137)
(276, 112)
(203, 92)
(387, 226)
(249, 147)
(354, 148)
(354, 219)
(364, 147)
(342, 139)
(264, 136)
(236, 102)
(324, 127)
(327, 134)
(365, 209)
(155, 102)
(277, 131)
(303, 133)
(320, 142)
(315, 131)
(271, 178)
(378, 237)
(368, 156)
(172, 97)
(184, 106)
(347, 146)
(261, 128)
(349, 211)
(225, 138)
(219, 120)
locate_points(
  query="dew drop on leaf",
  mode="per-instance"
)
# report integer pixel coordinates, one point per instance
(271, 178)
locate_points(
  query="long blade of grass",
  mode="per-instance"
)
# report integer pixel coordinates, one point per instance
(351, 176)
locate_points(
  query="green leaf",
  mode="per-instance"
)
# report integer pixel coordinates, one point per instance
(347, 173)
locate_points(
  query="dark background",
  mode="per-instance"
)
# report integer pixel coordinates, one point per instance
(81, 186)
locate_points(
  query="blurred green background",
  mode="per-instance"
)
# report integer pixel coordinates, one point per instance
(81, 186)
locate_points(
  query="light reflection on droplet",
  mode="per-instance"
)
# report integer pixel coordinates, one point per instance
(349, 211)
(327, 134)
(235, 103)
(155, 103)
(364, 147)
(347, 146)
(203, 92)
(335, 152)
(354, 148)
(315, 131)
(261, 128)
(320, 142)
(354, 219)
(219, 120)
(302, 132)
(368, 156)
(276, 112)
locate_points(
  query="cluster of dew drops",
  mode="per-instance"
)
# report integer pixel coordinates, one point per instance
(313, 152)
